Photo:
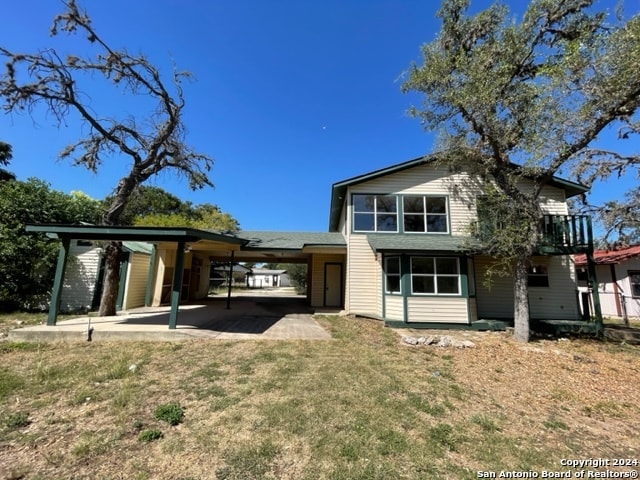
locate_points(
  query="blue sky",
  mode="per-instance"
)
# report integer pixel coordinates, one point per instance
(288, 97)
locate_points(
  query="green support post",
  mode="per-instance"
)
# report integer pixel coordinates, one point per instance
(56, 293)
(593, 280)
(177, 286)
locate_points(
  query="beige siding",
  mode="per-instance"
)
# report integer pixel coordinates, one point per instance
(429, 179)
(317, 282)
(494, 300)
(556, 302)
(460, 188)
(552, 199)
(437, 309)
(394, 308)
(136, 281)
(80, 277)
(363, 278)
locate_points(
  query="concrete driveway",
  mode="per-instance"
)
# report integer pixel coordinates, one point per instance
(256, 315)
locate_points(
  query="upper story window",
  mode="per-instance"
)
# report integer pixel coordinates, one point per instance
(375, 213)
(420, 213)
(425, 214)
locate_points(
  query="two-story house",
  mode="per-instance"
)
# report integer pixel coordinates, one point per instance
(407, 228)
(397, 249)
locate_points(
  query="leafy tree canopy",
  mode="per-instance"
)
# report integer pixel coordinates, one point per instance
(5, 157)
(28, 261)
(517, 102)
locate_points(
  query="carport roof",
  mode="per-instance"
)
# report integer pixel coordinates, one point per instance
(257, 240)
(140, 234)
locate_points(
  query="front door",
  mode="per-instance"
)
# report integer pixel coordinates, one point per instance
(332, 284)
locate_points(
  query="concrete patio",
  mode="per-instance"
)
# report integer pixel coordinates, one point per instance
(256, 315)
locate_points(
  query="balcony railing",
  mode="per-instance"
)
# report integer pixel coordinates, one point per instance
(565, 234)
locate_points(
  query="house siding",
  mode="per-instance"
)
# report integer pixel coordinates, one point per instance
(427, 180)
(437, 309)
(137, 274)
(558, 301)
(394, 307)
(364, 288)
(80, 278)
(317, 282)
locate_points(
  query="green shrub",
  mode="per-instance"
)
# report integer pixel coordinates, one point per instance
(17, 420)
(172, 413)
(150, 435)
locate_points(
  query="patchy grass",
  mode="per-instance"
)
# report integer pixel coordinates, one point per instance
(362, 406)
(9, 321)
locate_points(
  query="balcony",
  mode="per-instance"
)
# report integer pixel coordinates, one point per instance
(565, 234)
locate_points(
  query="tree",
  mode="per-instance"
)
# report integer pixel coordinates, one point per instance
(516, 102)
(149, 200)
(5, 158)
(151, 143)
(28, 261)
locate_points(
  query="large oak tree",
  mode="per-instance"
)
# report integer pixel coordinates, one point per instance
(150, 141)
(534, 92)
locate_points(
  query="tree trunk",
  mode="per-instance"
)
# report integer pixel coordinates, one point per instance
(111, 280)
(113, 251)
(521, 301)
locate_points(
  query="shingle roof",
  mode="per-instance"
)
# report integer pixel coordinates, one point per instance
(381, 242)
(290, 240)
(607, 257)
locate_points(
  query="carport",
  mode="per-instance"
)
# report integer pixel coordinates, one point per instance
(182, 239)
(324, 254)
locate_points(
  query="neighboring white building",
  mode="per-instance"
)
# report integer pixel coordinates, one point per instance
(618, 273)
(262, 277)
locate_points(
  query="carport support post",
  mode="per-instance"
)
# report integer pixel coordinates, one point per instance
(177, 286)
(56, 293)
(230, 280)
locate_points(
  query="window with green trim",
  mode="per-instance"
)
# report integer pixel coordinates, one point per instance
(392, 275)
(435, 276)
(375, 213)
(425, 214)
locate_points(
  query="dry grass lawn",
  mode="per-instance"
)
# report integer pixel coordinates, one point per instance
(361, 406)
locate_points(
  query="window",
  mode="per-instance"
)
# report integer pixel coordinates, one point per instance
(392, 275)
(375, 213)
(435, 275)
(538, 276)
(425, 214)
(634, 281)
